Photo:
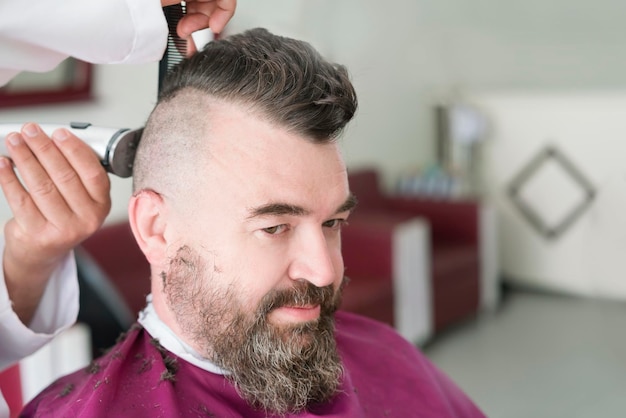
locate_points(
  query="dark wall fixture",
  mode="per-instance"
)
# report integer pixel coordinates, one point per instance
(70, 81)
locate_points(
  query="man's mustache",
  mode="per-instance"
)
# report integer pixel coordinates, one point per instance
(301, 294)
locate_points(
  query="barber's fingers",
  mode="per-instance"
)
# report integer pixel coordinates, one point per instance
(202, 14)
(25, 211)
(63, 178)
(92, 178)
(191, 23)
(221, 16)
(42, 197)
(198, 39)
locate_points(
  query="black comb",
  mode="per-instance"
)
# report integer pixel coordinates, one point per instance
(176, 46)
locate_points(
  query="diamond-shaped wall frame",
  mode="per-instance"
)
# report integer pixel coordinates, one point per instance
(535, 219)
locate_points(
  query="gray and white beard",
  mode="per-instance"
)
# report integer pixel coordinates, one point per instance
(281, 369)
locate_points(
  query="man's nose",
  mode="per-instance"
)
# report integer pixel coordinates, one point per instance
(313, 259)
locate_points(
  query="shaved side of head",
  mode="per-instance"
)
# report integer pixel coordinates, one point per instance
(171, 144)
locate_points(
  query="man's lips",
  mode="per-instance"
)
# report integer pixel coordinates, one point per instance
(296, 313)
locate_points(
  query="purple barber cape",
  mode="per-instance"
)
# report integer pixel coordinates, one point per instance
(385, 376)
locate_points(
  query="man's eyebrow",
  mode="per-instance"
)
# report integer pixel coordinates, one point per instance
(277, 209)
(280, 209)
(348, 205)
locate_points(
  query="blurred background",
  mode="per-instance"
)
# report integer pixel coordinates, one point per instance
(517, 109)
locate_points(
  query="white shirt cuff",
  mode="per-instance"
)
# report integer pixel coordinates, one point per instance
(57, 311)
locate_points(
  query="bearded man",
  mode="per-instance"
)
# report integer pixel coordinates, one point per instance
(240, 193)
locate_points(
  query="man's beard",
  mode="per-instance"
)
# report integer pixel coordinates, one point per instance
(280, 369)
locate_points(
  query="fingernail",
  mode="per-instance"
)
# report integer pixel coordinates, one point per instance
(14, 138)
(30, 129)
(60, 134)
(4, 162)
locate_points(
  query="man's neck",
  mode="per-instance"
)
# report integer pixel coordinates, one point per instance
(171, 341)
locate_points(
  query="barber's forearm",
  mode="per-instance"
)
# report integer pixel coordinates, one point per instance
(25, 285)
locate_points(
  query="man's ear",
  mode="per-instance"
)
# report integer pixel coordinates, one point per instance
(147, 217)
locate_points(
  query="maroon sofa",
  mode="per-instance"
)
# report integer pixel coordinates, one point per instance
(453, 257)
(114, 249)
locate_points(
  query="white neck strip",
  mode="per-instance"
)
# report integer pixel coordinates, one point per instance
(151, 322)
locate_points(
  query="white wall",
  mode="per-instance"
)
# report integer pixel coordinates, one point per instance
(404, 56)
(589, 129)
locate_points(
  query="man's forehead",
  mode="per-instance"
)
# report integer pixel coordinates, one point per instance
(245, 139)
(264, 164)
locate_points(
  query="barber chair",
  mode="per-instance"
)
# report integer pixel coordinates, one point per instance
(114, 280)
(418, 264)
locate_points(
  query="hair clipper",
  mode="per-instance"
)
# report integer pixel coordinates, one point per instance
(115, 147)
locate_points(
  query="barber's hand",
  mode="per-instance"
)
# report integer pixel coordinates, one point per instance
(202, 14)
(62, 198)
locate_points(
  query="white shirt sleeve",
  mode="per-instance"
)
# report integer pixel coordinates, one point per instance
(38, 36)
(4, 408)
(57, 311)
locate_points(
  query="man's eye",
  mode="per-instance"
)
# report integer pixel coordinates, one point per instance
(334, 223)
(273, 230)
